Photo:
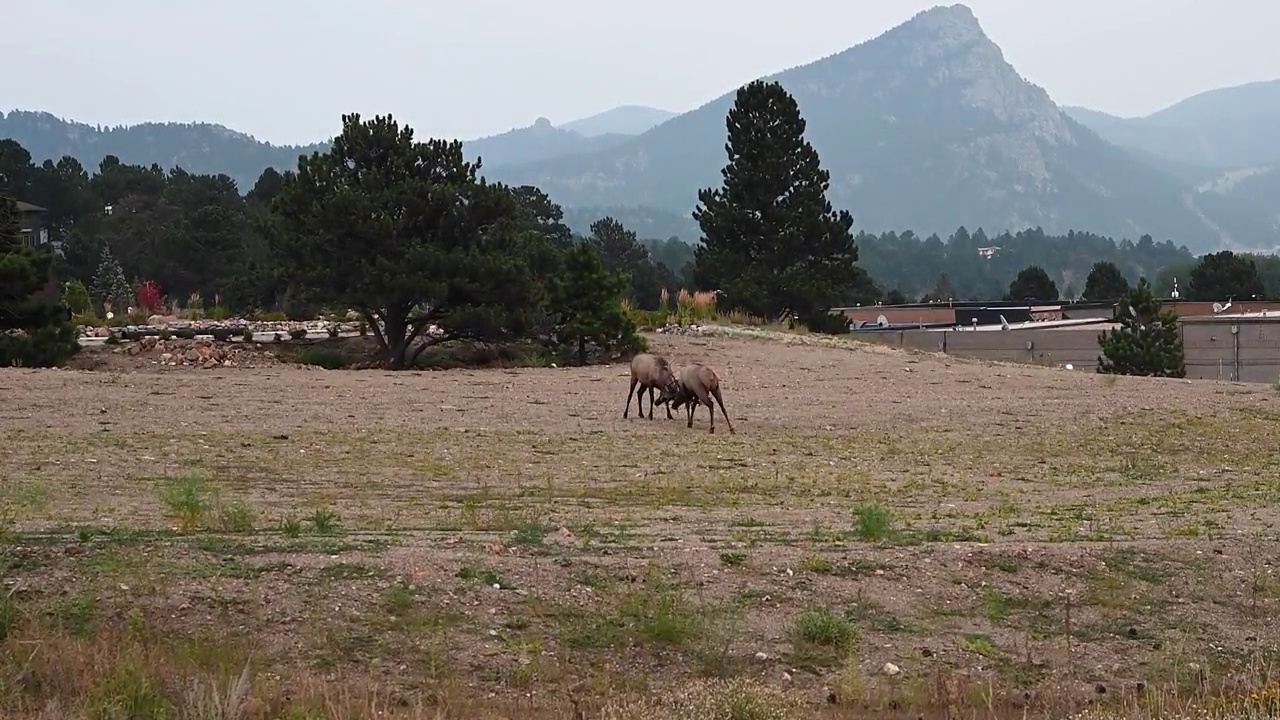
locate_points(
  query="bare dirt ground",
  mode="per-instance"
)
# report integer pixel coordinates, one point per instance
(885, 533)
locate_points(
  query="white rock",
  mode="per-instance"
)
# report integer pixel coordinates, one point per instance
(890, 669)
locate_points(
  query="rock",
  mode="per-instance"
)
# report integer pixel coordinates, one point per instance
(102, 332)
(890, 669)
(166, 358)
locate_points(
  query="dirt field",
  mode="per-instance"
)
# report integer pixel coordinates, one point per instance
(503, 543)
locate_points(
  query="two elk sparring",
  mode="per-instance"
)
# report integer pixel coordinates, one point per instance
(695, 385)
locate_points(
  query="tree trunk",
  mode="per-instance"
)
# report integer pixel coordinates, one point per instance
(395, 329)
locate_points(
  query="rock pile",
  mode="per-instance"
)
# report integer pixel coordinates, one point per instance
(157, 324)
(681, 330)
(204, 354)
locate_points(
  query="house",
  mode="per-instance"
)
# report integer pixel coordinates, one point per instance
(33, 228)
(31, 224)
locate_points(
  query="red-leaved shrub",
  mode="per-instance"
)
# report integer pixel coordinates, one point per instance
(150, 297)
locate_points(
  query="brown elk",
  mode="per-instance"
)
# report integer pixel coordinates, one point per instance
(651, 372)
(695, 386)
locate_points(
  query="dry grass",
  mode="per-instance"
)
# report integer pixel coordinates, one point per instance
(1018, 542)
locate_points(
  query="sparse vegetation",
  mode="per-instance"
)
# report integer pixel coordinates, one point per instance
(478, 533)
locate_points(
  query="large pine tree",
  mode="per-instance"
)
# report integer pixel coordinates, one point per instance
(1147, 341)
(34, 329)
(770, 239)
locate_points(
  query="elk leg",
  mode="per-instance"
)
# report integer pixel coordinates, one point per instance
(711, 412)
(688, 408)
(650, 402)
(724, 412)
(629, 393)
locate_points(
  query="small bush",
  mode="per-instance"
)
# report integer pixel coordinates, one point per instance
(150, 297)
(9, 616)
(822, 627)
(298, 333)
(327, 358)
(291, 526)
(324, 521)
(186, 499)
(236, 517)
(76, 296)
(874, 523)
(218, 312)
(87, 319)
(247, 334)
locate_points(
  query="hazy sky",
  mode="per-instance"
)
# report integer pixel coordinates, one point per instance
(286, 70)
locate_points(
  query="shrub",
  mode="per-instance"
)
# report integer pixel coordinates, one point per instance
(76, 296)
(298, 333)
(218, 312)
(150, 297)
(87, 319)
(268, 316)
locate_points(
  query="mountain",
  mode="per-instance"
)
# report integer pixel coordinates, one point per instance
(925, 127)
(539, 141)
(1217, 130)
(622, 120)
(210, 148)
(198, 147)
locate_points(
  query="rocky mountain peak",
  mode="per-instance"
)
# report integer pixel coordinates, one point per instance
(949, 41)
(952, 24)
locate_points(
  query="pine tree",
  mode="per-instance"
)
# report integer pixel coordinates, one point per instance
(109, 283)
(1033, 283)
(587, 298)
(1105, 282)
(771, 240)
(1147, 341)
(34, 328)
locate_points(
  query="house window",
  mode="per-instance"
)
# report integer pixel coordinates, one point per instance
(27, 238)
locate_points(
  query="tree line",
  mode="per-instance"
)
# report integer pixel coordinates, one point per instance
(410, 235)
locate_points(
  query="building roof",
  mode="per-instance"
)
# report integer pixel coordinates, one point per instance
(28, 207)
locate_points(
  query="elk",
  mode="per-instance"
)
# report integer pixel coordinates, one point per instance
(695, 386)
(651, 372)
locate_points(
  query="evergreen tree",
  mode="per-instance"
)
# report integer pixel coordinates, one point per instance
(1033, 283)
(1225, 276)
(621, 252)
(109, 284)
(1147, 341)
(34, 328)
(1105, 282)
(771, 240)
(408, 234)
(587, 298)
